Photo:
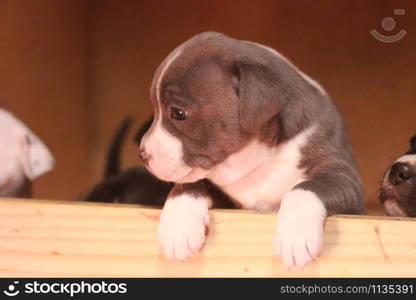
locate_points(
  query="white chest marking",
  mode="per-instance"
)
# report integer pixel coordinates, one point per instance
(265, 186)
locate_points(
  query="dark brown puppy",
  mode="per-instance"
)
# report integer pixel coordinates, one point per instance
(398, 189)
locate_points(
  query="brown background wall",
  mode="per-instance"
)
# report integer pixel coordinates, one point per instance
(74, 69)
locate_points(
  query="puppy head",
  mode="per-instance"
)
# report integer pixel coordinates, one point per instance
(212, 96)
(22, 155)
(398, 191)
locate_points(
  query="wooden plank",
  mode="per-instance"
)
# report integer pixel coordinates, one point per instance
(50, 238)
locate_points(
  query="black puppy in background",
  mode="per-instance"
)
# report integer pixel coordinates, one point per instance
(398, 189)
(133, 185)
(136, 185)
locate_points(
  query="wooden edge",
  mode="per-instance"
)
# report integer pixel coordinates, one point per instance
(230, 211)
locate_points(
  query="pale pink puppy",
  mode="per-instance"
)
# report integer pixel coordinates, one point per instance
(23, 156)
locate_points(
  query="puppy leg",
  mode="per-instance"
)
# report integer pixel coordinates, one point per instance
(300, 225)
(303, 211)
(183, 221)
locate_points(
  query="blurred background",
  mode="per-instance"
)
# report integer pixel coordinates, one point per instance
(72, 70)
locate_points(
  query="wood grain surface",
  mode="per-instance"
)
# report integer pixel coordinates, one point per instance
(73, 239)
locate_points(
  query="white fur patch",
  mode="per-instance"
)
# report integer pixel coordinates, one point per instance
(182, 226)
(306, 77)
(393, 208)
(258, 176)
(409, 158)
(166, 153)
(300, 228)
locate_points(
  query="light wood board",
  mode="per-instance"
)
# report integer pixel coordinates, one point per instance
(74, 239)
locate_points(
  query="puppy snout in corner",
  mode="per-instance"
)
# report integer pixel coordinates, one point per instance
(400, 172)
(398, 188)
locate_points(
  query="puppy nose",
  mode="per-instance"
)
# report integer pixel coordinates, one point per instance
(144, 156)
(400, 172)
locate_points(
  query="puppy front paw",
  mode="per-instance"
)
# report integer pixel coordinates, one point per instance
(300, 227)
(299, 245)
(182, 226)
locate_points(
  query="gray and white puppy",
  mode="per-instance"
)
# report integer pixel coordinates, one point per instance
(23, 157)
(239, 115)
(398, 188)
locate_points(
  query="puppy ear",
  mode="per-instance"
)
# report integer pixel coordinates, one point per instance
(36, 159)
(260, 92)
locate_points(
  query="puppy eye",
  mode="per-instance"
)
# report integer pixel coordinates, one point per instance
(178, 114)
